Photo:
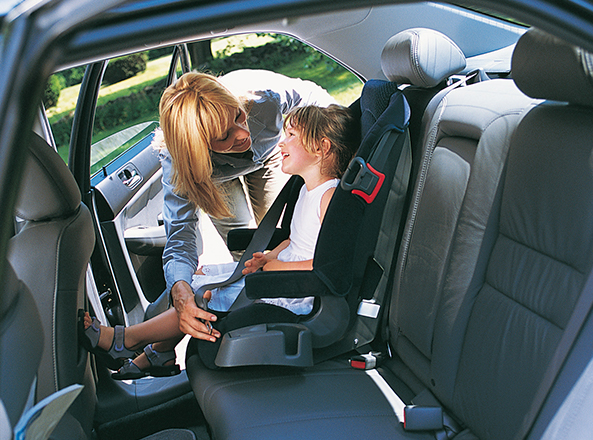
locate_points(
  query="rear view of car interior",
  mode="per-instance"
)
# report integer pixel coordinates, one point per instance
(463, 320)
(452, 274)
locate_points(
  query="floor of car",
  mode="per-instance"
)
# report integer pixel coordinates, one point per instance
(182, 412)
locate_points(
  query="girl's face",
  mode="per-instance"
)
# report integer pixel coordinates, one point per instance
(236, 138)
(295, 159)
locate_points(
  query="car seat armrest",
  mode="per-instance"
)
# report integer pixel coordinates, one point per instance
(284, 284)
(238, 239)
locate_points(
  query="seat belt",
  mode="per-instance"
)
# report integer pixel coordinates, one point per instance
(258, 243)
(582, 309)
(436, 99)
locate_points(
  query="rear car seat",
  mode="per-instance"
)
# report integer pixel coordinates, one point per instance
(345, 394)
(511, 275)
(507, 280)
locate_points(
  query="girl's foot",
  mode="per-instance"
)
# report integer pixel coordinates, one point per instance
(149, 363)
(106, 343)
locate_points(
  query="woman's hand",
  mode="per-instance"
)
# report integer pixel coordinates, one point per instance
(256, 262)
(193, 320)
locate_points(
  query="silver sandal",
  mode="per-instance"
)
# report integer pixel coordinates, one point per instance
(157, 366)
(89, 338)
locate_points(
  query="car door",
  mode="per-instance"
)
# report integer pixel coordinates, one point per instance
(119, 174)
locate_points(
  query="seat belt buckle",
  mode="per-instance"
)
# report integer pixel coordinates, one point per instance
(367, 361)
(423, 418)
(362, 180)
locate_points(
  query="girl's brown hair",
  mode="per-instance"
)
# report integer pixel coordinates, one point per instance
(193, 111)
(334, 123)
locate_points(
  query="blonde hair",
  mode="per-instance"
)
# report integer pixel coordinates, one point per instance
(194, 111)
(334, 123)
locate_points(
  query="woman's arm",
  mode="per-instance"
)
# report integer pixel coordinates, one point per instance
(180, 256)
(180, 259)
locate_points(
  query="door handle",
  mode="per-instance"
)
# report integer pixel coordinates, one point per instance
(130, 176)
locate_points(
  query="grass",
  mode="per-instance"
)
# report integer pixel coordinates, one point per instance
(342, 84)
(155, 71)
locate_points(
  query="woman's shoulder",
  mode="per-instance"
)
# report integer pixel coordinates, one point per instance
(243, 81)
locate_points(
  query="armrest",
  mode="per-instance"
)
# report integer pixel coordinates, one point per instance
(238, 239)
(146, 240)
(284, 284)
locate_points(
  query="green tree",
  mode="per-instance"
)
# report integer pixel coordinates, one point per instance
(125, 67)
(54, 85)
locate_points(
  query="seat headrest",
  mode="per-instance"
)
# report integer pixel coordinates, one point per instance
(421, 57)
(48, 189)
(545, 67)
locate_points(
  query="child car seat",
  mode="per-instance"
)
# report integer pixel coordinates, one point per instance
(351, 252)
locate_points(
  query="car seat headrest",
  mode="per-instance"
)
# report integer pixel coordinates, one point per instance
(421, 57)
(48, 189)
(546, 67)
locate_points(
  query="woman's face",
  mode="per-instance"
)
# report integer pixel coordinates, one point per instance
(236, 138)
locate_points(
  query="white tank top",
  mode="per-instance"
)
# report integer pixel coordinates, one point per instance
(304, 229)
(305, 223)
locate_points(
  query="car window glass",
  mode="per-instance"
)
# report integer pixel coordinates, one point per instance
(59, 99)
(278, 53)
(127, 108)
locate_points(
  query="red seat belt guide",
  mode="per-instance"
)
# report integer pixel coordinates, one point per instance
(370, 197)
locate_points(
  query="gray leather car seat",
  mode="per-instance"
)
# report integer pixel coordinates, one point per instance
(466, 148)
(507, 280)
(21, 345)
(424, 60)
(50, 254)
(445, 170)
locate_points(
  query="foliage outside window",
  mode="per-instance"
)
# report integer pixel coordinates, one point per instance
(133, 100)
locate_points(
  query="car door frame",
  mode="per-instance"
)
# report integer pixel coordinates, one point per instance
(116, 290)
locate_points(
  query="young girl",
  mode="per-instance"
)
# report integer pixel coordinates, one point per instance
(317, 146)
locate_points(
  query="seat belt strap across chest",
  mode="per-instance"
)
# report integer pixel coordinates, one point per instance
(258, 243)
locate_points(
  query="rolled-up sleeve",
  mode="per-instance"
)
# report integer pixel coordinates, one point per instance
(184, 242)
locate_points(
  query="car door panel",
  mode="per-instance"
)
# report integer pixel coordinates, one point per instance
(129, 217)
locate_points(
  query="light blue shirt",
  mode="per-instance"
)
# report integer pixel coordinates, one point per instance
(273, 96)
